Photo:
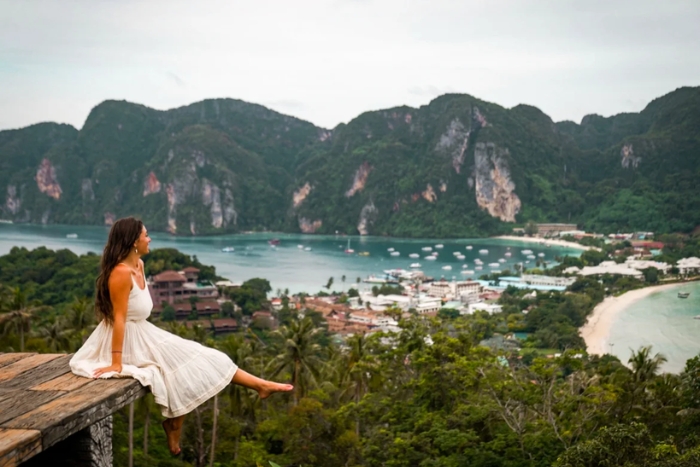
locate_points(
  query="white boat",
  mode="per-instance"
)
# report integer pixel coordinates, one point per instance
(495, 271)
(484, 252)
(478, 261)
(507, 254)
(467, 271)
(72, 235)
(415, 265)
(430, 258)
(541, 255)
(478, 268)
(301, 247)
(501, 260)
(395, 253)
(308, 248)
(461, 257)
(494, 265)
(349, 250)
(456, 253)
(530, 256)
(527, 252)
(469, 247)
(447, 268)
(389, 249)
(228, 249)
(414, 255)
(439, 246)
(427, 248)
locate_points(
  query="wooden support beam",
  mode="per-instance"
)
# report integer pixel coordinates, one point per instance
(90, 447)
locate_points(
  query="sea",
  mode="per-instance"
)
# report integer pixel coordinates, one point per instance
(304, 263)
(301, 263)
(663, 321)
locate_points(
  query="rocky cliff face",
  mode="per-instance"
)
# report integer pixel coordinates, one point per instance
(46, 180)
(495, 191)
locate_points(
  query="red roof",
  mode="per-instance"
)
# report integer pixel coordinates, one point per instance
(212, 305)
(190, 269)
(169, 276)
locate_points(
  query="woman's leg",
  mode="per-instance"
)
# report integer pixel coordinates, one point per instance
(173, 430)
(263, 386)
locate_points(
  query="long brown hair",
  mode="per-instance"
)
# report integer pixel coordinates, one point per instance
(120, 242)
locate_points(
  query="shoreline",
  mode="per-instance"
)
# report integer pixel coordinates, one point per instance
(543, 242)
(596, 331)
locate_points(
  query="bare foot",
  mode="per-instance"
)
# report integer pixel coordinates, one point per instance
(173, 435)
(271, 387)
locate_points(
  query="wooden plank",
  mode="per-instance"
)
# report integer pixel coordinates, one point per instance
(18, 445)
(61, 417)
(65, 382)
(12, 370)
(22, 401)
(9, 358)
(45, 371)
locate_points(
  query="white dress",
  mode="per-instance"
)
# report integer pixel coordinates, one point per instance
(181, 374)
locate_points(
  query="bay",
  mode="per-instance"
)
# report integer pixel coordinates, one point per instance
(663, 321)
(291, 267)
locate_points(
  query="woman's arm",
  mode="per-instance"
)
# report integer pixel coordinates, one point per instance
(120, 284)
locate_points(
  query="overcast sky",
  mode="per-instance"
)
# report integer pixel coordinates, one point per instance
(327, 61)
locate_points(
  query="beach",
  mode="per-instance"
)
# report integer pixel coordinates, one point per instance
(597, 329)
(546, 241)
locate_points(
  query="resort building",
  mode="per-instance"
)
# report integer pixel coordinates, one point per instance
(606, 267)
(688, 266)
(552, 230)
(172, 287)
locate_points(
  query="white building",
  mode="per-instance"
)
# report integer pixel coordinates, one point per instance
(440, 289)
(536, 279)
(454, 289)
(379, 320)
(642, 264)
(611, 267)
(428, 305)
(490, 308)
(688, 266)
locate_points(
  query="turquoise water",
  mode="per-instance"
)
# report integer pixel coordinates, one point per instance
(663, 321)
(288, 266)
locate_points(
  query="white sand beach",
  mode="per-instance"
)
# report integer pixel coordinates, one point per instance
(546, 241)
(597, 329)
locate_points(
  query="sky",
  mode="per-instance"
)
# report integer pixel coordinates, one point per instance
(327, 61)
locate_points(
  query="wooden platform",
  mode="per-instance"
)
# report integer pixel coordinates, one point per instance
(42, 403)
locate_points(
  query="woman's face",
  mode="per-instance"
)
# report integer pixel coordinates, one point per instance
(142, 242)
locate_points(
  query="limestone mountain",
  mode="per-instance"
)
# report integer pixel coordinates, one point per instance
(458, 166)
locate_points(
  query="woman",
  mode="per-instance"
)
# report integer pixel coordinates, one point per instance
(181, 374)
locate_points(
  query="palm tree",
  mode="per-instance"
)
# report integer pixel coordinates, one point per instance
(81, 319)
(645, 367)
(342, 279)
(56, 335)
(19, 318)
(299, 354)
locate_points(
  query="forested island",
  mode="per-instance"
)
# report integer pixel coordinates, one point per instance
(455, 167)
(444, 390)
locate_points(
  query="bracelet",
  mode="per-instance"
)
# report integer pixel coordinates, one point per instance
(116, 351)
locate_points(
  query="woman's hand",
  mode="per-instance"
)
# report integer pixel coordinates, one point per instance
(116, 367)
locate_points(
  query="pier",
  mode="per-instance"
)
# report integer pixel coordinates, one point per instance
(49, 416)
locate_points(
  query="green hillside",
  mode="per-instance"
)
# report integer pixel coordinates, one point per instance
(458, 166)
